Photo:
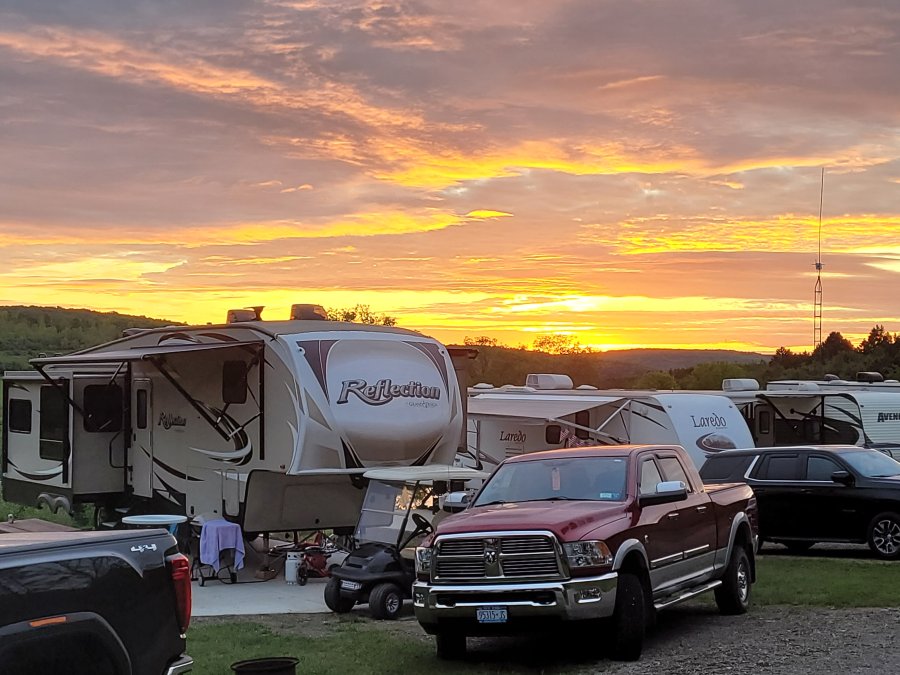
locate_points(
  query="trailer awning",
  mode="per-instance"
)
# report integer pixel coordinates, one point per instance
(137, 353)
(533, 408)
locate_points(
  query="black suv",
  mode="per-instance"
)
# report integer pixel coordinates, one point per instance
(807, 494)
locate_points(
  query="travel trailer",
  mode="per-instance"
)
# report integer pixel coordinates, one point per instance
(268, 423)
(549, 413)
(795, 412)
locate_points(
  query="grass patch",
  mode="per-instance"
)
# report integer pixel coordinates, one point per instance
(826, 582)
(349, 647)
(20, 512)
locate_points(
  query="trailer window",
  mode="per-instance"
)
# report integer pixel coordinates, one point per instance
(141, 409)
(583, 419)
(102, 408)
(234, 382)
(54, 414)
(20, 415)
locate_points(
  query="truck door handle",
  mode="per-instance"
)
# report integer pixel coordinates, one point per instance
(701, 509)
(672, 516)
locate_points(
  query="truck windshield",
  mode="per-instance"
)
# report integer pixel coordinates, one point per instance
(385, 508)
(581, 478)
(871, 463)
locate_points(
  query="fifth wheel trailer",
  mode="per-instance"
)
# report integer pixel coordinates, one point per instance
(267, 423)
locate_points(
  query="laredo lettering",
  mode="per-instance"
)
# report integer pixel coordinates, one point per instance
(385, 391)
(888, 416)
(513, 436)
(710, 421)
(169, 420)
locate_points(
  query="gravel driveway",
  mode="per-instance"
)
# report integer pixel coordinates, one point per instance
(689, 639)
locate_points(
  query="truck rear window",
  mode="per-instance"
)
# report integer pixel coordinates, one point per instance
(725, 469)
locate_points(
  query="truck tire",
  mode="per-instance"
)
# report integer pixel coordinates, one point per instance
(450, 646)
(628, 621)
(884, 536)
(333, 599)
(733, 596)
(386, 601)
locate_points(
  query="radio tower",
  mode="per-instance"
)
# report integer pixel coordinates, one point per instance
(817, 307)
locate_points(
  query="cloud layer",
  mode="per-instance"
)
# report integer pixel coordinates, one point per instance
(643, 173)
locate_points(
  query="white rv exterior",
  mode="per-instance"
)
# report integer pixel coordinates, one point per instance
(510, 421)
(827, 412)
(266, 422)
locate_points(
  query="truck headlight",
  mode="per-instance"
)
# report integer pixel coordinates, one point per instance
(423, 561)
(587, 554)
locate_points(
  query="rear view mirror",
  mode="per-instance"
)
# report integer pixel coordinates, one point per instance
(455, 502)
(553, 434)
(842, 477)
(234, 382)
(666, 492)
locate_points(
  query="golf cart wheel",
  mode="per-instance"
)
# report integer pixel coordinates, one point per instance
(333, 599)
(386, 601)
(450, 645)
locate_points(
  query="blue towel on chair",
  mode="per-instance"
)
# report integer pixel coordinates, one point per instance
(217, 536)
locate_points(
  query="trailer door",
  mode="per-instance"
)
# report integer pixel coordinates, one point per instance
(141, 473)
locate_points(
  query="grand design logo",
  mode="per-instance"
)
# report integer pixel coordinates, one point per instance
(385, 391)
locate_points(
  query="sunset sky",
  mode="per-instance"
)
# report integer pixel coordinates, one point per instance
(632, 172)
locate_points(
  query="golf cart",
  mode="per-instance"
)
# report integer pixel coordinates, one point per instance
(398, 511)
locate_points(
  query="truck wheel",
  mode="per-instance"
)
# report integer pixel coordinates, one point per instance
(334, 600)
(884, 536)
(386, 601)
(629, 619)
(733, 596)
(450, 646)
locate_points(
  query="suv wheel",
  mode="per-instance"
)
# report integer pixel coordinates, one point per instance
(884, 536)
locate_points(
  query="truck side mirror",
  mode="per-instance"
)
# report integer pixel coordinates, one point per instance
(842, 477)
(666, 492)
(553, 434)
(455, 502)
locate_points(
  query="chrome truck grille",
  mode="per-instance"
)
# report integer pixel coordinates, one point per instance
(497, 556)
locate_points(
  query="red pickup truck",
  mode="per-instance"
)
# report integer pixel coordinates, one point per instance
(601, 535)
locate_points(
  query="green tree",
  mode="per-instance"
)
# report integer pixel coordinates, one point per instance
(360, 314)
(656, 379)
(710, 375)
(834, 345)
(558, 343)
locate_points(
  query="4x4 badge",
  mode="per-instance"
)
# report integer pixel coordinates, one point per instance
(143, 547)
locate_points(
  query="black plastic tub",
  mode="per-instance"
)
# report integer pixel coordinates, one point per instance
(273, 665)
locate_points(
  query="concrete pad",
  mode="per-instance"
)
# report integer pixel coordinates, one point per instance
(251, 595)
(258, 597)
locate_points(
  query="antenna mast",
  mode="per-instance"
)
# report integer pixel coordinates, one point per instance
(817, 307)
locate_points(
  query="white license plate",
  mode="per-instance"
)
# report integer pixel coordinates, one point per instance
(351, 585)
(491, 615)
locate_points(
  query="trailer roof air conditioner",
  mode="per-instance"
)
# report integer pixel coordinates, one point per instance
(308, 313)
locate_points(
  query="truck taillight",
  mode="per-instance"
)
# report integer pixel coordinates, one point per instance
(180, 569)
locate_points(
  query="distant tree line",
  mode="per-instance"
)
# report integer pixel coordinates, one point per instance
(499, 364)
(27, 332)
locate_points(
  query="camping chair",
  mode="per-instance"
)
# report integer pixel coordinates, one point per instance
(218, 552)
